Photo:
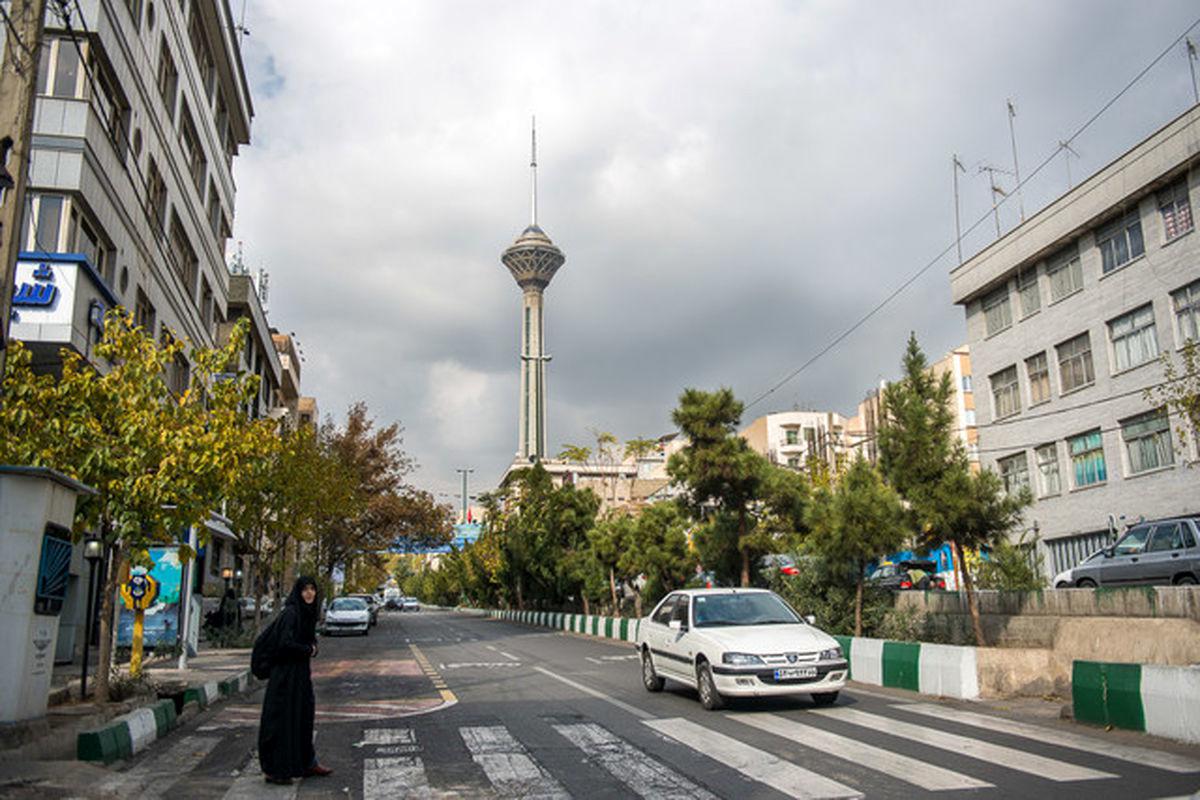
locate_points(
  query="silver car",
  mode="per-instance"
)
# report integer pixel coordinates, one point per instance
(1166, 551)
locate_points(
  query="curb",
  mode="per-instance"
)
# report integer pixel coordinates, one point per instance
(1159, 700)
(621, 629)
(935, 669)
(131, 733)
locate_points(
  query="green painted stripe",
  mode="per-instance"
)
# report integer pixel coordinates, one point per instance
(1087, 692)
(624, 634)
(1124, 696)
(608, 627)
(901, 665)
(595, 626)
(845, 641)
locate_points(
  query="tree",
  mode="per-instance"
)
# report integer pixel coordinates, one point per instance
(160, 462)
(1180, 390)
(657, 549)
(608, 542)
(717, 467)
(606, 456)
(576, 453)
(857, 521)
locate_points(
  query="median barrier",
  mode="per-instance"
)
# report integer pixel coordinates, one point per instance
(936, 669)
(621, 629)
(1164, 701)
(128, 734)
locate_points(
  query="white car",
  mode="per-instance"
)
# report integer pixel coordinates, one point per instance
(738, 643)
(348, 615)
(410, 604)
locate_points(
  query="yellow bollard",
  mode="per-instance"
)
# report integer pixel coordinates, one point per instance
(135, 657)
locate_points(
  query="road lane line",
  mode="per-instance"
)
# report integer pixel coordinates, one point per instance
(509, 656)
(899, 767)
(594, 660)
(760, 765)
(251, 786)
(448, 697)
(508, 765)
(1170, 762)
(180, 759)
(644, 775)
(637, 712)
(399, 776)
(1007, 757)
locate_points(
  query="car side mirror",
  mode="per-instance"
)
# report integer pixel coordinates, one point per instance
(676, 625)
(810, 619)
(1109, 552)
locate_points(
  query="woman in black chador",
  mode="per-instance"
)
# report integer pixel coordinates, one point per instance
(285, 734)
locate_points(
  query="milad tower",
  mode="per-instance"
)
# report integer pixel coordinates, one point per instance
(533, 259)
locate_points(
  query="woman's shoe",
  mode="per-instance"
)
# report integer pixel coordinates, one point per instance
(317, 771)
(279, 781)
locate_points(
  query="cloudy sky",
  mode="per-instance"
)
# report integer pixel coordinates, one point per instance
(733, 185)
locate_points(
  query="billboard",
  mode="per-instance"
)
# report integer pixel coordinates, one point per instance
(162, 618)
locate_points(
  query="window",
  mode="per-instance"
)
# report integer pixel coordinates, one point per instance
(966, 384)
(1047, 465)
(156, 197)
(1133, 338)
(82, 237)
(206, 304)
(1075, 363)
(186, 264)
(1037, 370)
(1087, 458)
(1187, 311)
(59, 71)
(1120, 242)
(1176, 211)
(143, 312)
(793, 462)
(997, 312)
(193, 153)
(44, 221)
(791, 436)
(1148, 441)
(1167, 536)
(1029, 292)
(810, 441)
(969, 417)
(135, 11)
(1065, 273)
(168, 78)
(1133, 542)
(1014, 473)
(1006, 397)
(204, 59)
(663, 615)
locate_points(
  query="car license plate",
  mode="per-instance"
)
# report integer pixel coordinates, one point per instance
(789, 673)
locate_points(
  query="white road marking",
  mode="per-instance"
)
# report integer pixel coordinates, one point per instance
(1007, 757)
(388, 778)
(509, 656)
(902, 768)
(1091, 744)
(377, 736)
(644, 776)
(758, 764)
(251, 786)
(512, 772)
(181, 758)
(478, 664)
(637, 712)
(594, 660)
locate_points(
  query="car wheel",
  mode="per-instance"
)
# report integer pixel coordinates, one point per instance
(825, 698)
(1062, 585)
(650, 678)
(1185, 580)
(1085, 583)
(710, 698)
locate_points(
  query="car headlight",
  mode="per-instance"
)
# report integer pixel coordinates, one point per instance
(741, 659)
(832, 654)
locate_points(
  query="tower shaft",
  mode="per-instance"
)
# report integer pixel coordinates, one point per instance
(532, 443)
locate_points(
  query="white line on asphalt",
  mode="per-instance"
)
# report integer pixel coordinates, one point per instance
(898, 767)
(375, 736)
(644, 775)
(1091, 744)
(152, 772)
(251, 786)
(758, 764)
(478, 664)
(999, 755)
(509, 767)
(388, 778)
(594, 660)
(509, 656)
(637, 712)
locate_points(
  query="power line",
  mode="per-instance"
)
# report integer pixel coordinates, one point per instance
(982, 219)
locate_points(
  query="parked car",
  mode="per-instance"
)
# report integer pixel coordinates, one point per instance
(1166, 551)
(410, 604)
(347, 615)
(910, 574)
(372, 607)
(1066, 578)
(248, 605)
(392, 600)
(738, 643)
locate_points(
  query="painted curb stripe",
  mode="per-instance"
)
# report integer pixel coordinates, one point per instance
(1171, 702)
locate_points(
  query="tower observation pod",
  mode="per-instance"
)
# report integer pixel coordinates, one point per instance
(533, 260)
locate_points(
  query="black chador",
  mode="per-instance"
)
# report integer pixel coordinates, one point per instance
(285, 733)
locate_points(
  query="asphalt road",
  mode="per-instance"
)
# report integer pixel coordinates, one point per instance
(440, 704)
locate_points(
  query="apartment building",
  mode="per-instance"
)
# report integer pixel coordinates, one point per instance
(957, 364)
(796, 438)
(1067, 316)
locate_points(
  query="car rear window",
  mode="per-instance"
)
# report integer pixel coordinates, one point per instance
(348, 604)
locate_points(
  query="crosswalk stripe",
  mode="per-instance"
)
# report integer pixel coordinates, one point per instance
(381, 736)
(1091, 744)
(758, 764)
(1007, 757)
(645, 776)
(898, 767)
(159, 770)
(399, 776)
(508, 765)
(251, 786)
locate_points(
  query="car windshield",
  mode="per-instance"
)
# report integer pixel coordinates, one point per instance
(348, 604)
(754, 608)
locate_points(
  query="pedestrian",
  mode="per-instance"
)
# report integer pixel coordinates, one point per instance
(285, 732)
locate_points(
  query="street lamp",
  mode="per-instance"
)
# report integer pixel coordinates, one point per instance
(93, 551)
(227, 575)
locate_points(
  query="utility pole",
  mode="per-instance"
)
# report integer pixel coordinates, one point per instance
(996, 191)
(956, 167)
(1012, 133)
(1191, 54)
(24, 21)
(465, 471)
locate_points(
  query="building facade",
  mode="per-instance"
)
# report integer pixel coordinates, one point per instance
(796, 439)
(1067, 317)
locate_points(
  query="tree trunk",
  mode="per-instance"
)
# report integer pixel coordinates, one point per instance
(958, 580)
(520, 595)
(612, 586)
(586, 611)
(637, 604)
(972, 601)
(742, 547)
(104, 657)
(858, 597)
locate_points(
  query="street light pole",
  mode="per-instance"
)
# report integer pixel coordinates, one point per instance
(93, 551)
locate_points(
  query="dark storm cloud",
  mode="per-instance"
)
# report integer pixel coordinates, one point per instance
(733, 185)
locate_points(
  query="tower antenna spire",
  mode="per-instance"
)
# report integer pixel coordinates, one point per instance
(533, 168)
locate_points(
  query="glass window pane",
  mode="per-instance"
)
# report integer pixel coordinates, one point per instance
(66, 74)
(49, 219)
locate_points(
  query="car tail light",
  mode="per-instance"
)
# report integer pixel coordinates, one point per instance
(789, 570)
(941, 583)
(905, 584)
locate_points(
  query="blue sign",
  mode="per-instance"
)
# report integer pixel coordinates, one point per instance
(37, 295)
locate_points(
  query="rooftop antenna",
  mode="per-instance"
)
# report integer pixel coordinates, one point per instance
(996, 191)
(956, 167)
(1070, 151)
(264, 287)
(1192, 56)
(238, 267)
(533, 168)
(241, 26)
(1012, 113)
